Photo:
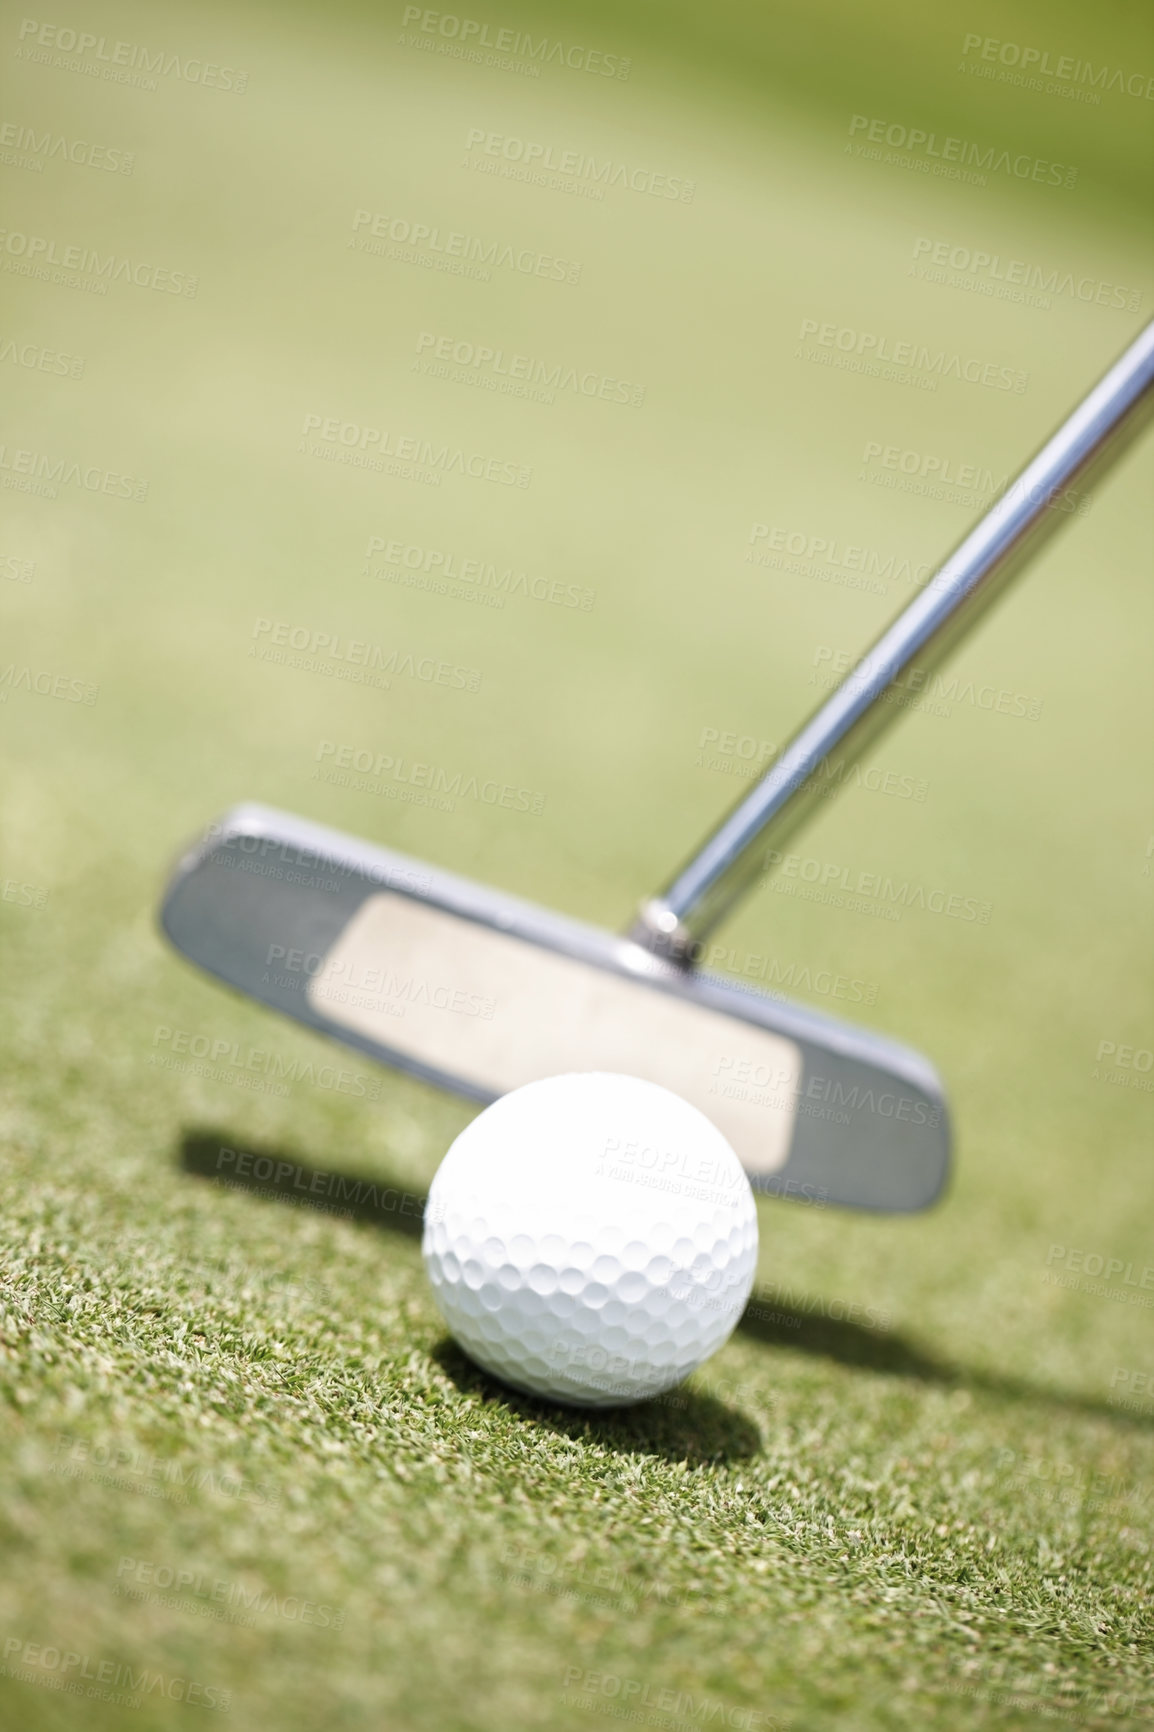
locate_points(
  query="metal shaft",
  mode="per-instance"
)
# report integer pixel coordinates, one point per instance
(746, 843)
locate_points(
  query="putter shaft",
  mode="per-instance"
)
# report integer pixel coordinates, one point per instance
(744, 845)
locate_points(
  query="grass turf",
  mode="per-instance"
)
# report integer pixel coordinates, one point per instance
(242, 1459)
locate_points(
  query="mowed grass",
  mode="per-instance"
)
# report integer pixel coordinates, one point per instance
(243, 1464)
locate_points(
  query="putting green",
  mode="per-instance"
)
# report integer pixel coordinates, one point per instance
(494, 450)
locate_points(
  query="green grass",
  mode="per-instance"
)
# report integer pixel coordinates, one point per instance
(907, 1492)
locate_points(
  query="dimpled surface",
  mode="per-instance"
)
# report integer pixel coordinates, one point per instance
(591, 1239)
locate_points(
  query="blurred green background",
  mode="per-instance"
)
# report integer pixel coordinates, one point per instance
(937, 1516)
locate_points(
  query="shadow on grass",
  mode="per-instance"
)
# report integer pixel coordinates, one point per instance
(684, 1425)
(702, 1425)
(848, 1343)
(886, 1351)
(284, 1178)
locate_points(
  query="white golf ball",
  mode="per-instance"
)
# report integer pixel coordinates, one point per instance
(591, 1239)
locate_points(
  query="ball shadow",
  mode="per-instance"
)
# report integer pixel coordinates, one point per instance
(683, 1425)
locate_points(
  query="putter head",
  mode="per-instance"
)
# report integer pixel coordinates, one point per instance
(480, 992)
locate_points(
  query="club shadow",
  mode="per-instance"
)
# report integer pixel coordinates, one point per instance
(778, 1325)
(887, 1351)
(282, 1177)
(685, 1424)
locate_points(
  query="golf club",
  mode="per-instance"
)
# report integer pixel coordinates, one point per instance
(480, 992)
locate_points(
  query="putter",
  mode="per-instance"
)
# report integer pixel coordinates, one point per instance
(479, 992)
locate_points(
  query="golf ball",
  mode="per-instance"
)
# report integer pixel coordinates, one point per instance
(591, 1239)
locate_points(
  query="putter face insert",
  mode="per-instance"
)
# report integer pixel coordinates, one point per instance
(481, 992)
